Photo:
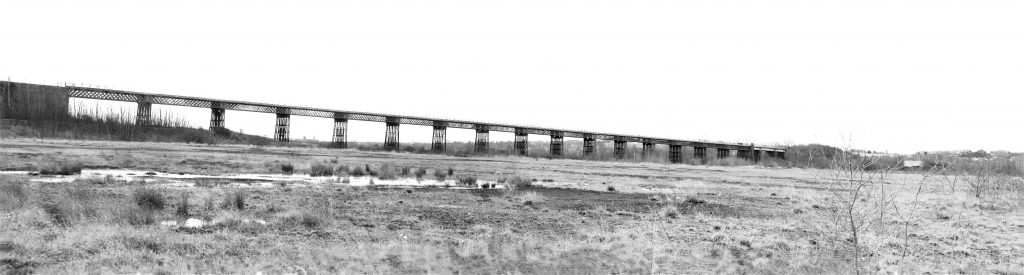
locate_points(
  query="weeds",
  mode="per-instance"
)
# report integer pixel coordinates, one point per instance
(182, 210)
(529, 198)
(234, 200)
(149, 199)
(70, 204)
(287, 168)
(357, 172)
(421, 172)
(440, 175)
(466, 180)
(342, 170)
(320, 169)
(12, 193)
(386, 173)
(62, 167)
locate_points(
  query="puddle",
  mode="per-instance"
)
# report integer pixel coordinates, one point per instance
(248, 180)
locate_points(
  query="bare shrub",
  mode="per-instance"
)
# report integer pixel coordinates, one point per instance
(386, 173)
(357, 172)
(440, 175)
(420, 173)
(980, 178)
(321, 169)
(858, 200)
(342, 170)
(467, 180)
(514, 184)
(519, 181)
(287, 168)
(62, 167)
(405, 171)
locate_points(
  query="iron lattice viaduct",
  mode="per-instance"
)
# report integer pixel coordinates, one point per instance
(217, 108)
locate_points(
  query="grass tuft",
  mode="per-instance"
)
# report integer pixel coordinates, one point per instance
(287, 168)
(182, 209)
(320, 169)
(234, 200)
(149, 199)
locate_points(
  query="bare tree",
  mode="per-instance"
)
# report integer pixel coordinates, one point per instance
(857, 199)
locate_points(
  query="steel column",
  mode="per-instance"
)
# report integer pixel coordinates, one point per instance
(281, 127)
(700, 152)
(521, 143)
(340, 133)
(143, 116)
(216, 118)
(556, 143)
(619, 149)
(675, 153)
(440, 140)
(648, 147)
(481, 140)
(588, 145)
(757, 155)
(722, 153)
(391, 134)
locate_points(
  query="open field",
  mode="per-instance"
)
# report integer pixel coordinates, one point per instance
(577, 217)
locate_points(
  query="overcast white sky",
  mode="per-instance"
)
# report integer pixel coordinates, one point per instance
(890, 75)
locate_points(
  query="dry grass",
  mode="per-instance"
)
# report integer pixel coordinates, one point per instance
(661, 219)
(62, 167)
(12, 193)
(321, 169)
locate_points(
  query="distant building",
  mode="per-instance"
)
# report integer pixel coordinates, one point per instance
(913, 164)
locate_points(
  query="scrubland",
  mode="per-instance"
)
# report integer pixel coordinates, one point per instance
(559, 216)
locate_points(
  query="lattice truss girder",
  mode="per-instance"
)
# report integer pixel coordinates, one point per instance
(117, 95)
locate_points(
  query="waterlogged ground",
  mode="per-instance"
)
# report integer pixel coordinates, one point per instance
(246, 180)
(577, 217)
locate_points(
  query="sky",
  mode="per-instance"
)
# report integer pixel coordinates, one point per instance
(893, 75)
